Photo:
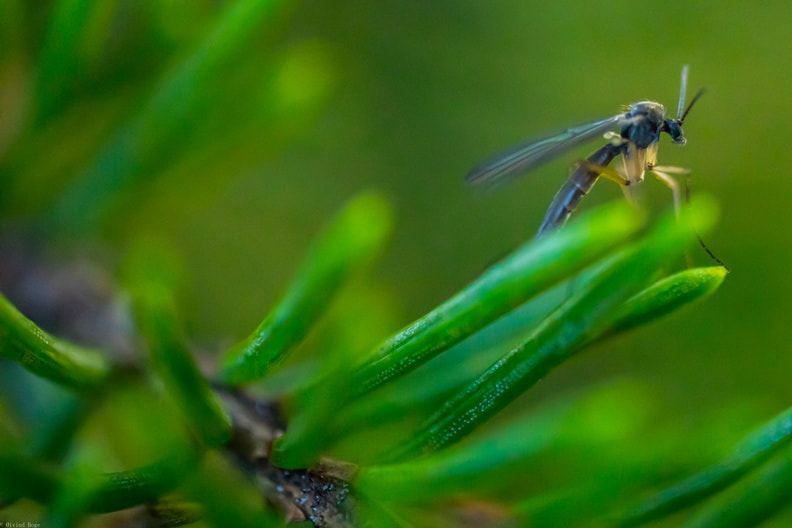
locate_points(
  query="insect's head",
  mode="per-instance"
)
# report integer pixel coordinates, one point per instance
(673, 127)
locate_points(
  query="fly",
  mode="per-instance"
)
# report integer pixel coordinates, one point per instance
(633, 135)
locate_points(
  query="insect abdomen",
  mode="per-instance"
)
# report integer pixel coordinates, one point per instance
(576, 187)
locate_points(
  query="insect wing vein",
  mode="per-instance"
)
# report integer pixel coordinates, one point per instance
(527, 156)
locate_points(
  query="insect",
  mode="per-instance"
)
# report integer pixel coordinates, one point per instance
(633, 135)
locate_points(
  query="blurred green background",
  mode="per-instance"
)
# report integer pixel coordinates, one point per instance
(328, 98)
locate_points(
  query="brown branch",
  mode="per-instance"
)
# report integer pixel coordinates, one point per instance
(321, 495)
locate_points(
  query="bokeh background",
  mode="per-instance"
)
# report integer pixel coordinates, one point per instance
(323, 99)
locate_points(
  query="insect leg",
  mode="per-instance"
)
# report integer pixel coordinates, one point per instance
(607, 172)
(704, 246)
(623, 180)
(671, 170)
(662, 174)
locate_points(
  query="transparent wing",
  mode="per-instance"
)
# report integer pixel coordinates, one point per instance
(527, 156)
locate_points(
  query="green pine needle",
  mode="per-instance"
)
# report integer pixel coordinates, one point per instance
(68, 365)
(354, 238)
(749, 454)
(173, 363)
(587, 314)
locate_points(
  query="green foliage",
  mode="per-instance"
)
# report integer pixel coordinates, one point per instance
(226, 498)
(103, 492)
(69, 365)
(351, 241)
(500, 289)
(614, 294)
(172, 361)
(73, 37)
(752, 502)
(74, 496)
(105, 103)
(577, 321)
(509, 283)
(145, 140)
(749, 454)
(665, 296)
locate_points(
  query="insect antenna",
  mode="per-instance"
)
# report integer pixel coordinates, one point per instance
(682, 112)
(700, 241)
(692, 102)
(682, 92)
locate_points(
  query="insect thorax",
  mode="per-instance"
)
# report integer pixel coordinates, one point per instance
(645, 121)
